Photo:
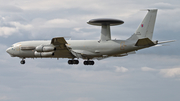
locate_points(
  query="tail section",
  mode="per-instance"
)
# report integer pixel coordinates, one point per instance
(146, 28)
(144, 33)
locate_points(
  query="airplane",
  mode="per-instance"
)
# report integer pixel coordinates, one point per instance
(88, 50)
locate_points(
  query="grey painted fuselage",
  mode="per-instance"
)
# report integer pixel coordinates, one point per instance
(91, 48)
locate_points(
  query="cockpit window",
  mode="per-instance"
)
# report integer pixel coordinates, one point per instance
(16, 45)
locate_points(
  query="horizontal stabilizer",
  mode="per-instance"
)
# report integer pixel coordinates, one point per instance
(162, 43)
(145, 42)
(166, 41)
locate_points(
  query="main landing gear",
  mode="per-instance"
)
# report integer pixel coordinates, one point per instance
(88, 62)
(71, 62)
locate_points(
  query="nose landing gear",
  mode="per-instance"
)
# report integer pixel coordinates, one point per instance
(22, 61)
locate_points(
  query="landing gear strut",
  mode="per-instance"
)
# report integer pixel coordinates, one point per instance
(71, 62)
(22, 61)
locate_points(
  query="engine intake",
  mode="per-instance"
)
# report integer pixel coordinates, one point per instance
(42, 48)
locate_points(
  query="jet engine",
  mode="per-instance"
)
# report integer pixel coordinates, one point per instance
(42, 48)
(43, 54)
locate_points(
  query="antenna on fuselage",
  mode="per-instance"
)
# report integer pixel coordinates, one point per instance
(105, 24)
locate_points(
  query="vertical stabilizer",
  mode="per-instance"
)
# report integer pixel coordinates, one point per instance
(146, 28)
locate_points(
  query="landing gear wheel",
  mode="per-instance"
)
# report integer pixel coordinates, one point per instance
(91, 62)
(22, 62)
(86, 63)
(75, 62)
(70, 62)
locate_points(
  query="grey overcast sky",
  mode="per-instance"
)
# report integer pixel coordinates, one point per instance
(151, 74)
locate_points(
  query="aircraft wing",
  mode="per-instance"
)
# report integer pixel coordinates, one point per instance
(58, 41)
(61, 50)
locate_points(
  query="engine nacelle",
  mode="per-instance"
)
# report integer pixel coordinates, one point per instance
(42, 48)
(43, 54)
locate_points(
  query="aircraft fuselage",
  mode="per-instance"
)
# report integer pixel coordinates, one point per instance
(91, 48)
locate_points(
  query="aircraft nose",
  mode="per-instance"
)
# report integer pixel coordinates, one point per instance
(9, 51)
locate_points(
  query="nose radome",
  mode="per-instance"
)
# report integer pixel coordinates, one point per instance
(9, 51)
